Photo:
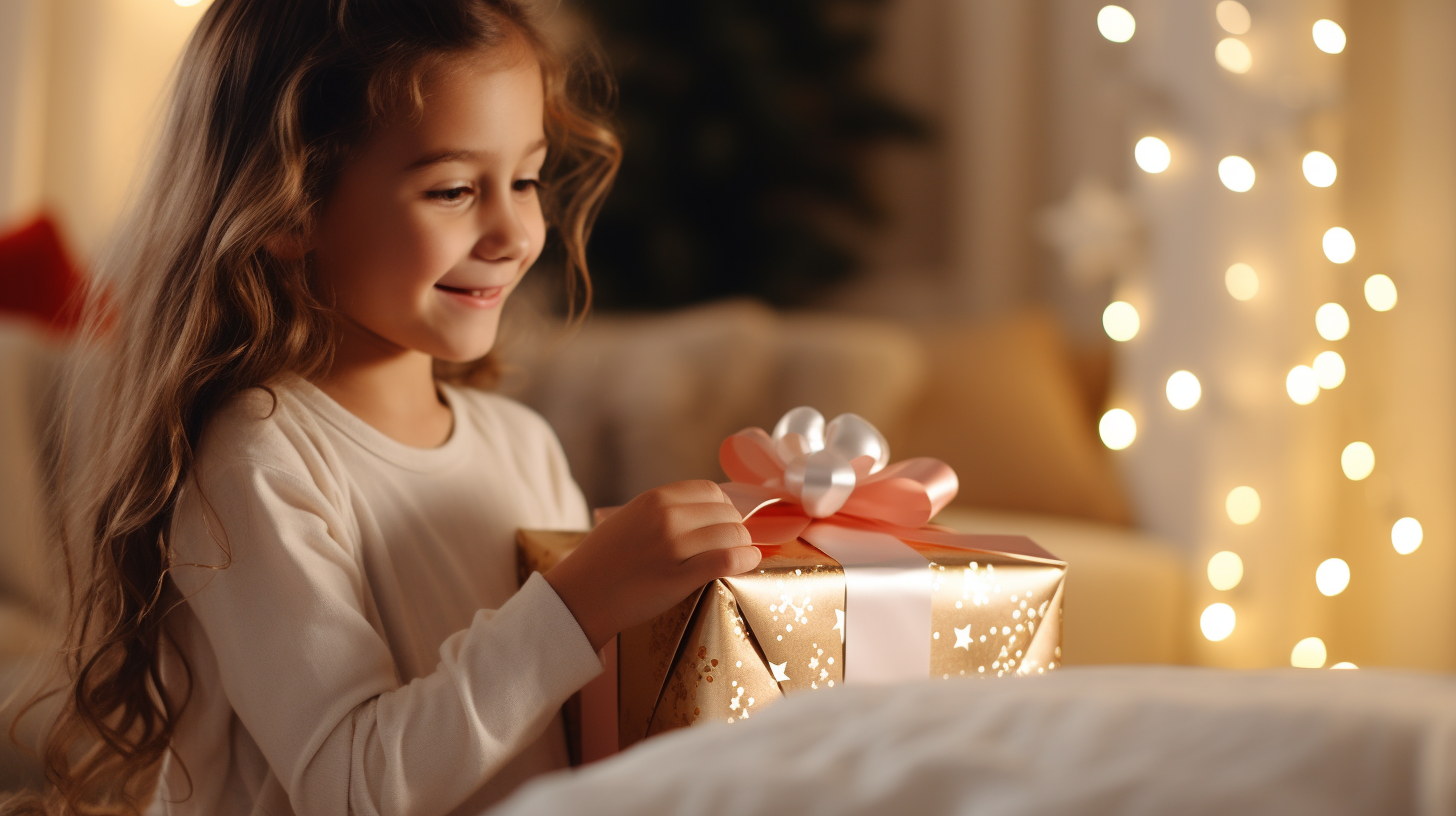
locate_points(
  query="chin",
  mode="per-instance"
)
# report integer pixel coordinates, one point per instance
(464, 352)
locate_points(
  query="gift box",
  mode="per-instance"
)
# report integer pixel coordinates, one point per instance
(855, 586)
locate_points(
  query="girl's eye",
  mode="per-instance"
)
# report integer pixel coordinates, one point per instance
(450, 195)
(524, 185)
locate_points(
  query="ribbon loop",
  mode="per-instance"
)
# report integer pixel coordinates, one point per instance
(839, 468)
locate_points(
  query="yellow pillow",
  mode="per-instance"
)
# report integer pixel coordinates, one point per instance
(1002, 406)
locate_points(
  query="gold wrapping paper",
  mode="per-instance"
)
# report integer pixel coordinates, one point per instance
(742, 642)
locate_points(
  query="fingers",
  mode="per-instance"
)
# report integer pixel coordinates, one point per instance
(725, 535)
(714, 564)
(685, 518)
(691, 491)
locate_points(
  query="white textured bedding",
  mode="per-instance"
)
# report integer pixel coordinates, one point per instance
(1080, 741)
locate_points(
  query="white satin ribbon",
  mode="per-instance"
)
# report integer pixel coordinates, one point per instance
(886, 600)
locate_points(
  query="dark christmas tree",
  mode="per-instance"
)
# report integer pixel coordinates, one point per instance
(746, 125)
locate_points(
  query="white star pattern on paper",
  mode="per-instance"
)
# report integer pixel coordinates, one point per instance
(778, 671)
(839, 623)
(963, 638)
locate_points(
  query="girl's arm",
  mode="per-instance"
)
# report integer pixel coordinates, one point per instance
(314, 684)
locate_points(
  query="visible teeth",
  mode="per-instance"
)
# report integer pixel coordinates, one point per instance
(476, 292)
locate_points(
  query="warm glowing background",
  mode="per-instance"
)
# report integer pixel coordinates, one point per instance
(1249, 206)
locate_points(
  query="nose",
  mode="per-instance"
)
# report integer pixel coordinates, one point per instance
(503, 232)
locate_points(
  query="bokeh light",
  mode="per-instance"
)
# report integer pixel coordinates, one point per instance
(1118, 429)
(1406, 535)
(1344, 664)
(1217, 621)
(1225, 570)
(186, 3)
(1233, 55)
(1308, 654)
(1233, 17)
(1120, 321)
(1242, 281)
(1184, 390)
(1152, 154)
(1302, 384)
(1328, 36)
(1332, 576)
(1319, 169)
(1380, 293)
(1331, 321)
(1236, 173)
(1116, 23)
(1357, 460)
(1339, 245)
(1242, 504)
(1329, 369)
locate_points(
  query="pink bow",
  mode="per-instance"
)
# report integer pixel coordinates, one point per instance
(811, 470)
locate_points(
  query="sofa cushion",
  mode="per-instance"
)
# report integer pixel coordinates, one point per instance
(1002, 406)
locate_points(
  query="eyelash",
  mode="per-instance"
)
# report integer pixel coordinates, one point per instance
(454, 194)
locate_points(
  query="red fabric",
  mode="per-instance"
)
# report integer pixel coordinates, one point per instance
(37, 277)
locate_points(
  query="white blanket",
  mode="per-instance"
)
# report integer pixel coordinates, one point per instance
(1080, 741)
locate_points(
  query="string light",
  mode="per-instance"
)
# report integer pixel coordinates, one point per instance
(1217, 621)
(1328, 36)
(1331, 321)
(1118, 429)
(1406, 535)
(1233, 55)
(1329, 369)
(1339, 245)
(1357, 460)
(1184, 390)
(1242, 504)
(1120, 321)
(1332, 576)
(1233, 17)
(1302, 384)
(1344, 664)
(1308, 654)
(1319, 169)
(1225, 570)
(1116, 23)
(1241, 281)
(1152, 154)
(1380, 293)
(1236, 173)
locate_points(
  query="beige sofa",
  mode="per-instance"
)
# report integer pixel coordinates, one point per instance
(643, 400)
(639, 401)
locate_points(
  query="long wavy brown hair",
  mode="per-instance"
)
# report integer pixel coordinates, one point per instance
(189, 308)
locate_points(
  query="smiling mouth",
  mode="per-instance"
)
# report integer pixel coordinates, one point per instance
(471, 292)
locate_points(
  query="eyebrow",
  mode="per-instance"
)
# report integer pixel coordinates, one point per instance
(442, 156)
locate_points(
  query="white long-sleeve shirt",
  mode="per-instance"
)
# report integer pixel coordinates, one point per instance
(366, 651)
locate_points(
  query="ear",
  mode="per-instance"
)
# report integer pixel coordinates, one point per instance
(287, 246)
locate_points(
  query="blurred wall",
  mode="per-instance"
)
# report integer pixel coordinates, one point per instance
(23, 37)
(1401, 205)
(1025, 105)
(81, 82)
(1030, 100)
(960, 238)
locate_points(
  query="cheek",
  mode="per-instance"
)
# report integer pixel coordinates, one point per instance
(385, 252)
(536, 227)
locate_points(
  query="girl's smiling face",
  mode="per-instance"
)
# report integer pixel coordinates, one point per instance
(430, 227)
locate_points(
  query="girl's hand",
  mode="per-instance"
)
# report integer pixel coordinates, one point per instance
(649, 555)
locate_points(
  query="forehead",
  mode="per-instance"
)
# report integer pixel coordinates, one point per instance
(492, 104)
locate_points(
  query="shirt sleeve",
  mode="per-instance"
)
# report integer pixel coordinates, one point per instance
(314, 682)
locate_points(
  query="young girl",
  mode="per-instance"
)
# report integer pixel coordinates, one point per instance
(296, 590)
